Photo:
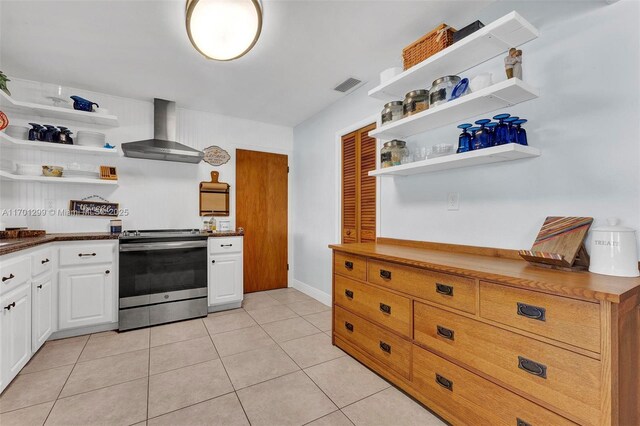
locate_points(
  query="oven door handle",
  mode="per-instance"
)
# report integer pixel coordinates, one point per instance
(167, 245)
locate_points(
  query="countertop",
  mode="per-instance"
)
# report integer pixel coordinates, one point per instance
(514, 272)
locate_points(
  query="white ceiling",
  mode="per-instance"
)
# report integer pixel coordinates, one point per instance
(140, 49)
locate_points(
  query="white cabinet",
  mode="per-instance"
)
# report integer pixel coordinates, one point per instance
(42, 313)
(226, 285)
(86, 296)
(15, 332)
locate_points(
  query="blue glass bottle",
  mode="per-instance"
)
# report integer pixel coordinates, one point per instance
(474, 143)
(502, 130)
(491, 130)
(482, 134)
(521, 134)
(512, 133)
(464, 140)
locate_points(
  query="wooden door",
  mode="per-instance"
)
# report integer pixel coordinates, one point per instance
(261, 209)
(358, 188)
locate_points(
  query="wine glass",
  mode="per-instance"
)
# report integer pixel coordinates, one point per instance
(502, 130)
(521, 134)
(491, 130)
(464, 139)
(483, 134)
(474, 142)
(511, 134)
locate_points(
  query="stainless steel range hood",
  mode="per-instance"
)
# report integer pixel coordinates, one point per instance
(163, 145)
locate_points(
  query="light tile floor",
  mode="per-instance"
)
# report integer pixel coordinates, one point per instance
(269, 363)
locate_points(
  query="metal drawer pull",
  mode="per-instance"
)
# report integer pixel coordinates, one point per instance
(444, 332)
(444, 382)
(348, 326)
(385, 308)
(45, 261)
(213, 261)
(444, 289)
(532, 367)
(348, 265)
(385, 274)
(10, 305)
(107, 272)
(520, 422)
(86, 254)
(532, 312)
(226, 245)
(349, 294)
(385, 347)
(39, 286)
(11, 276)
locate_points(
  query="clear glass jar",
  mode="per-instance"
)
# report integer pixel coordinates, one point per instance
(415, 102)
(441, 90)
(392, 153)
(392, 111)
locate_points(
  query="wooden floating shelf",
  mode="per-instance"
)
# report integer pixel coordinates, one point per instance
(10, 177)
(46, 111)
(511, 30)
(494, 154)
(10, 142)
(498, 96)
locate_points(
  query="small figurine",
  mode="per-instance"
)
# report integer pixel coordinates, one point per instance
(510, 61)
(3, 83)
(517, 67)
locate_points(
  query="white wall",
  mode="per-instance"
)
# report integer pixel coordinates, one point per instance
(586, 122)
(158, 194)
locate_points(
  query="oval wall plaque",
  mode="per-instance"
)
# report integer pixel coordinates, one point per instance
(216, 156)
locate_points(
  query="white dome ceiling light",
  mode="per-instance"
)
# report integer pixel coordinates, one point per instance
(224, 29)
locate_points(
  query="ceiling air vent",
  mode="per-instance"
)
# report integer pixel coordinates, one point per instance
(348, 85)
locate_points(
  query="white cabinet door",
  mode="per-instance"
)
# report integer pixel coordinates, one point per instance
(225, 280)
(86, 296)
(15, 333)
(42, 311)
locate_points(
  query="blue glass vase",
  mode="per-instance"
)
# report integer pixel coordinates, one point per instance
(482, 134)
(464, 140)
(502, 129)
(491, 130)
(512, 133)
(474, 143)
(521, 134)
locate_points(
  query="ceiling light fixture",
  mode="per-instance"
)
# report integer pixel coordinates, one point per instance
(224, 29)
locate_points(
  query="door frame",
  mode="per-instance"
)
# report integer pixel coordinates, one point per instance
(338, 175)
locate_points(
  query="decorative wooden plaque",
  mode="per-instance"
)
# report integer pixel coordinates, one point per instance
(216, 156)
(560, 243)
(93, 208)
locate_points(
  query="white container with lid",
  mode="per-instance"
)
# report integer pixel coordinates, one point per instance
(614, 250)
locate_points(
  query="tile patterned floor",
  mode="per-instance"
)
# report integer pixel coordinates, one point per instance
(269, 363)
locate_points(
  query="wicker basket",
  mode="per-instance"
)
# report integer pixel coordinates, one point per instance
(430, 44)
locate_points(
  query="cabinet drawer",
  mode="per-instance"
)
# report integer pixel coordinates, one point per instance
(463, 395)
(220, 245)
(86, 254)
(382, 345)
(350, 265)
(448, 290)
(384, 308)
(571, 321)
(14, 272)
(41, 262)
(561, 378)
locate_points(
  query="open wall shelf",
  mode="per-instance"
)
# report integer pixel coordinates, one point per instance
(10, 177)
(10, 142)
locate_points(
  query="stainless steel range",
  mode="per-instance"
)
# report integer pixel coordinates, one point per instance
(163, 276)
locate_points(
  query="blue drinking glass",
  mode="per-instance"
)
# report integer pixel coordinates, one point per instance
(464, 140)
(521, 134)
(491, 130)
(483, 134)
(474, 143)
(512, 133)
(502, 130)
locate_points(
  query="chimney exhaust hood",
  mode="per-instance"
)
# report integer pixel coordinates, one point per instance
(163, 145)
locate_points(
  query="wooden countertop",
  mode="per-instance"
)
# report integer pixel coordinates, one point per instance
(498, 267)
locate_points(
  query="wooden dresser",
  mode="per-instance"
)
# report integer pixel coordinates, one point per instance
(481, 337)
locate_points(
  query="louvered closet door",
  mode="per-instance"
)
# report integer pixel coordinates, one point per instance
(358, 188)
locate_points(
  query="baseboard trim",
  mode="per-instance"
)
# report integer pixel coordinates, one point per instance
(320, 296)
(225, 307)
(63, 334)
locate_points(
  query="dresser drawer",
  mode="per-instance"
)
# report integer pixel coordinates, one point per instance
(571, 321)
(86, 254)
(350, 265)
(383, 307)
(448, 290)
(41, 261)
(382, 345)
(464, 395)
(561, 378)
(14, 272)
